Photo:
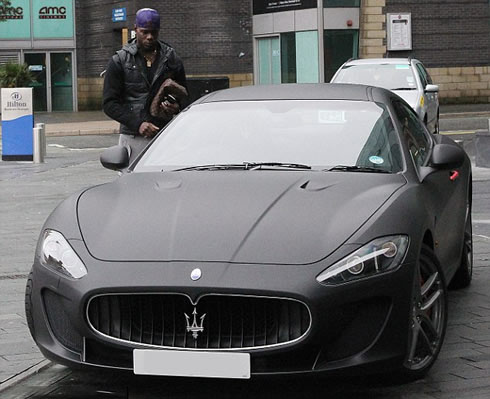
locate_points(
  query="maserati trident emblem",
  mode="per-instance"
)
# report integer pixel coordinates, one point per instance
(194, 327)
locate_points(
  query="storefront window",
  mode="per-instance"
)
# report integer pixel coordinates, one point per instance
(307, 57)
(269, 60)
(341, 3)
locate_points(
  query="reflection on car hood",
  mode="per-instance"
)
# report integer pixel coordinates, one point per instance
(284, 217)
(410, 96)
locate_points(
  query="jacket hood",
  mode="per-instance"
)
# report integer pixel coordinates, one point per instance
(276, 217)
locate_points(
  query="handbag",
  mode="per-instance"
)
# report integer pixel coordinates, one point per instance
(168, 87)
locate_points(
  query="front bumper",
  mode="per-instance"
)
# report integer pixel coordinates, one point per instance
(357, 325)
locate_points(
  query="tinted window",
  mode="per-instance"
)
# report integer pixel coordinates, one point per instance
(321, 134)
(414, 133)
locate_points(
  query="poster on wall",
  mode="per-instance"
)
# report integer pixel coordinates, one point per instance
(52, 19)
(267, 6)
(399, 31)
(15, 20)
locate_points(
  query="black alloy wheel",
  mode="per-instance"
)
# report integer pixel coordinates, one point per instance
(428, 317)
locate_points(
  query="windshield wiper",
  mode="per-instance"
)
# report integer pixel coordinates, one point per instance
(405, 88)
(356, 168)
(226, 166)
(289, 165)
(245, 166)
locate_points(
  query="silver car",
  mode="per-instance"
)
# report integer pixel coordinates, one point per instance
(407, 77)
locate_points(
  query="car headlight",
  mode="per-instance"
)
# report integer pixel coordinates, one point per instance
(56, 253)
(379, 256)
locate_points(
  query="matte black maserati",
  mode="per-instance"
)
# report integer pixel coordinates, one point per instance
(266, 230)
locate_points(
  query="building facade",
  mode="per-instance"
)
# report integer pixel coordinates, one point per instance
(67, 43)
(41, 33)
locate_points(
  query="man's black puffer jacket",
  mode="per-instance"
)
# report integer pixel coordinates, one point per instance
(127, 91)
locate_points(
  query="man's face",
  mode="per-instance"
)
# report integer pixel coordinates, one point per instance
(147, 38)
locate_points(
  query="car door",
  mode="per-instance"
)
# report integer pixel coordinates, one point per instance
(442, 197)
(431, 99)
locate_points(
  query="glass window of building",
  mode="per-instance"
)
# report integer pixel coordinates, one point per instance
(341, 3)
(339, 46)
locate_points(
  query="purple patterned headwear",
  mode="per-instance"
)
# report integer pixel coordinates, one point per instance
(147, 18)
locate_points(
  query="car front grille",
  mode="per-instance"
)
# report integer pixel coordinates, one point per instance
(216, 322)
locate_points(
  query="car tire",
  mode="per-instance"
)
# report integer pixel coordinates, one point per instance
(28, 304)
(436, 127)
(428, 317)
(464, 274)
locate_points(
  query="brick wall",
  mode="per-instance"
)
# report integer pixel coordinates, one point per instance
(372, 29)
(90, 89)
(447, 33)
(451, 37)
(207, 34)
(462, 84)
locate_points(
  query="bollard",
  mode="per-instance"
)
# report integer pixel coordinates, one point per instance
(482, 146)
(38, 156)
(42, 126)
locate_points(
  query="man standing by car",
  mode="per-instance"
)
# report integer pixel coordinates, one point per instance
(134, 76)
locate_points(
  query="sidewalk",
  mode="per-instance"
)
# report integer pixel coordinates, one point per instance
(75, 123)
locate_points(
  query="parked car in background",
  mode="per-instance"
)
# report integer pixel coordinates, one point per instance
(407, 77)
(266, 230)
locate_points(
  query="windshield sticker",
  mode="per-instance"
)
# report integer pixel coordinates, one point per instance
(331, 116)
(376, 160)
(402, 66)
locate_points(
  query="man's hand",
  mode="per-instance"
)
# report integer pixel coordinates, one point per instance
(169, 108)
(148, 129)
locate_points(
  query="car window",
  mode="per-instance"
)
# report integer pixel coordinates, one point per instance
(413, 133)
(424, 75)
(318, 133)
(388, 76)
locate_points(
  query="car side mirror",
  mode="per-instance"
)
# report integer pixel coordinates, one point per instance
(447, 156)
(432, 89)
(115, 158)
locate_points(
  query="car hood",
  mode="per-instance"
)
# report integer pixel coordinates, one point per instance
(410, 96)
(280, 217)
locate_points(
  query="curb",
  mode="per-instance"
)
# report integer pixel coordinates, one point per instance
(475, 114)
(43, 364)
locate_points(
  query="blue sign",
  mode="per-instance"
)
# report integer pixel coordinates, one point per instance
(119, 14)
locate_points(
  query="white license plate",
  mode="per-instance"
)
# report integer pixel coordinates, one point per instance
(177, 363)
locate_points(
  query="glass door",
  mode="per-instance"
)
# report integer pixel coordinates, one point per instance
(53, 85)
(61, 82)
(269, 62)
(37, 66)
(339, 46)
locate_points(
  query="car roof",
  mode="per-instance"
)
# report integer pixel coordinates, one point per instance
(312, 91)
(379, 61)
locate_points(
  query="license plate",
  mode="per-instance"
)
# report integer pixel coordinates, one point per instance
(176, 363)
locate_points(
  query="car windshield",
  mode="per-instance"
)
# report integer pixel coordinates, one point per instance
(388, 76)
(290, 134)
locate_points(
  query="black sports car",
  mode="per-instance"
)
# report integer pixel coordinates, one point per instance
(266, 230)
